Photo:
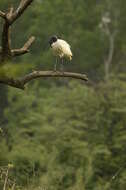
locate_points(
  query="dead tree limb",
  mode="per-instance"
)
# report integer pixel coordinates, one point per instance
(21, 8)
(2, 14)
(24, 49)
(108, 60)
(9, 18)
(6, 42)
(21, 82)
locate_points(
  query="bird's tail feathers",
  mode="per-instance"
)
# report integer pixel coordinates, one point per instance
(70, 57)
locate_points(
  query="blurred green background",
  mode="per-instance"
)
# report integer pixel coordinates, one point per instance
(63, 134)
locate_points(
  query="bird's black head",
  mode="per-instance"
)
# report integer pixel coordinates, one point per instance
(53, 39)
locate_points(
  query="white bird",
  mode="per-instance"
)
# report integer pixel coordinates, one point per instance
(60, 48)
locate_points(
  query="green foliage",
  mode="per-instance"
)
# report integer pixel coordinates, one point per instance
(62, 139)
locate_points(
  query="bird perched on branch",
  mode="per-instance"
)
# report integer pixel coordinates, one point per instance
(61, 49)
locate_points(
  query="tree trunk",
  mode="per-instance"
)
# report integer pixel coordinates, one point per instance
(108, 61)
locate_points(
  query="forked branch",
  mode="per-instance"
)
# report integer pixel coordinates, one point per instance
(24, 49)
(9, 18)
(21, 8)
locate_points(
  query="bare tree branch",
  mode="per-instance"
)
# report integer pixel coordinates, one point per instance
(9, 17)
(6, 50)
(6, 40)
(29, 43)
(2, 14)
(108, 60)
(20, 83)
(10, 13)
(22, 6)
(24, 49)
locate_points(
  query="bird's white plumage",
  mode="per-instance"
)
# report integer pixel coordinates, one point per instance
(62, 49)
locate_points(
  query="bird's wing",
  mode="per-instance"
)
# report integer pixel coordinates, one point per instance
(63, 43)
(65, 48)
(62, 48)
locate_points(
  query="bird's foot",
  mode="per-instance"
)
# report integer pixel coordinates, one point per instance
(55, 70)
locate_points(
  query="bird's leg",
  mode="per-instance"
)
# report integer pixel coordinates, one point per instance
(62, 66)
(55, 64)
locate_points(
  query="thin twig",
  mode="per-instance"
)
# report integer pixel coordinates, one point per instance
(2, 14)
(24, 49)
